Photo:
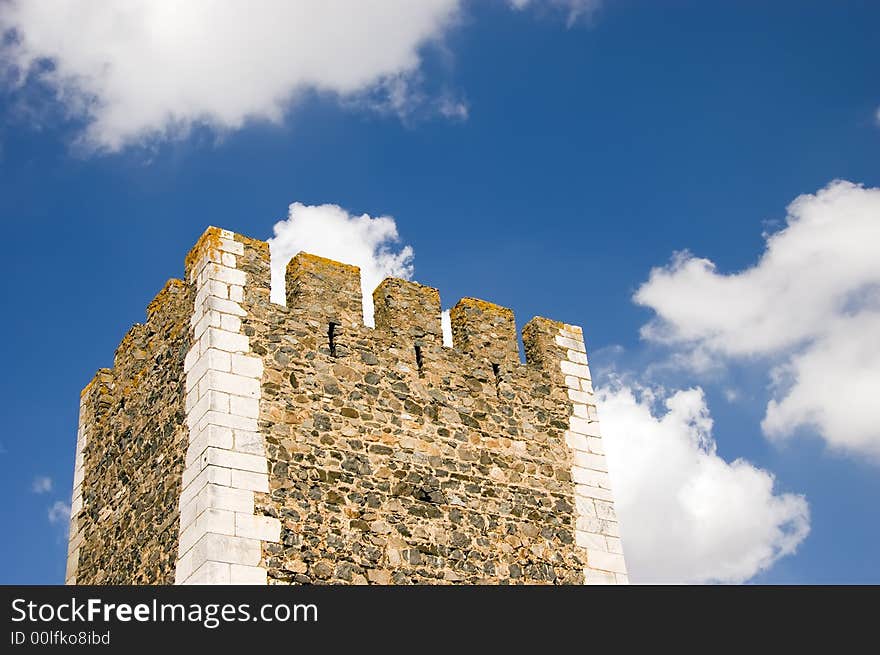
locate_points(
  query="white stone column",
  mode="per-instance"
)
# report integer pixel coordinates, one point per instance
(597, 527)
(220, 537)
(75, 538)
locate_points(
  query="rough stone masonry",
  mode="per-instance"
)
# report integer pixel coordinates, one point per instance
(237, 441)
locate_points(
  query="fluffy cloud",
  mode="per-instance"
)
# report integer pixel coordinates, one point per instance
(329, 231)
(59, 513)
(154, 68)
(810, 307)
(42, 484)
(446, 328)
(143, 70)
(686, 515)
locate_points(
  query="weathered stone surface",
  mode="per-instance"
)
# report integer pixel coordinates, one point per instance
(347, 454)
(134, 458)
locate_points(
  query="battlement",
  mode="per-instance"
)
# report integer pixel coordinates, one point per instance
(298, 445)
(322, 291)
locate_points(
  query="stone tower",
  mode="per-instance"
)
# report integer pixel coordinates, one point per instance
(240, 441)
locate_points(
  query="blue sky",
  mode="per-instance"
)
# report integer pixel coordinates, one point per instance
(543, 163)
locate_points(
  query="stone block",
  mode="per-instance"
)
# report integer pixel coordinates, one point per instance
(264, 528)
(570, 343)
(224, 340)
(234, 460)
(246, 575)
(247, 366)
(249, 480)
(605, 561)
(576, 370)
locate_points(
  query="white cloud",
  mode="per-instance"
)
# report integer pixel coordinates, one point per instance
(833, 386)
(42, 484)
(329, 231)
(145, 70)
(154, 68)
(446, 328)
(686, 515)
(59, 512)
(810, 308)
(372, 243)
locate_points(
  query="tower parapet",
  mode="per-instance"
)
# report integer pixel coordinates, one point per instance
(485, 330)
(293, 444)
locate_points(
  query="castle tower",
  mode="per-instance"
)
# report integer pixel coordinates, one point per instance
(237, 441)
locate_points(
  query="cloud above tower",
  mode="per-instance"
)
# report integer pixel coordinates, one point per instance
(809, 308)
(155, 68)
(369, 242)
(148, 70)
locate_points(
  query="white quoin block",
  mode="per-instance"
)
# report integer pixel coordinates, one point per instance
(597, 531)
(246, 575)
(221, 539)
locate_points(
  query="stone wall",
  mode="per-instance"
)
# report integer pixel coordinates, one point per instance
(130, 453)
(220, 536)
(314, 450)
